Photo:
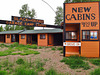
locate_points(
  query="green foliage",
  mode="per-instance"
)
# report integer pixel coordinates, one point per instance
(13, 48)
(53, 49)
(25, 12)
(95, 72)
(95, 61)
(32, 46)
(3, 45)
(3, 73)
(5, 63)
(24, 71)
(76, 62)
(20, 61)
(59, 48)
(52, 72)
(59, 16)
(1, 29)
(39, 65)
(40, 47)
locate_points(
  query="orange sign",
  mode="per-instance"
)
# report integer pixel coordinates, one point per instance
(87, 14)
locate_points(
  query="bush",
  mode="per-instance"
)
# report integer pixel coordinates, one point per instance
(14, 45)
(95, 61)
(34, 46)
(76, 62)
(95, 72)
(40, 47)
(52, 72)
(3, 73)
(39, 65)
(53, 49)
(20, 61)
(60, 48)
(23, 71)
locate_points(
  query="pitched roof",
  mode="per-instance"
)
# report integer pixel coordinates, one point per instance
(42, 31)
(32, 31)
(11, 32)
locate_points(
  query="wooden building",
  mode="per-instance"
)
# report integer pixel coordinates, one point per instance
(44, 37)
(9, 36)
(82, 29)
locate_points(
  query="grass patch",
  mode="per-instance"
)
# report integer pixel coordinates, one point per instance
(59, 48)
(3, 45)
(15, 47)
(24, 71)
(3, 73)
(52, 72)
(95, 61)
(95, 72)
(20, 61)
(53, 49)
(76, 62)
(40, 47)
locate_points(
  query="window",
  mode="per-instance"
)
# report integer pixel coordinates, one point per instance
(2, 38)
(22, 36)
(8, 36)
(13, 38)
(90, 35)
(42, 36)
(93, 35)
(86, 35)
(71, 35)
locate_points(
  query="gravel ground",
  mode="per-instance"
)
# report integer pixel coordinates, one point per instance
(52, 59)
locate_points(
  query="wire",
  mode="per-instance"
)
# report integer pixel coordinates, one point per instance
(49, 5)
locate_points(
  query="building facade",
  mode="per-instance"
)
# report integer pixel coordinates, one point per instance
(50, 37)
(82, 29)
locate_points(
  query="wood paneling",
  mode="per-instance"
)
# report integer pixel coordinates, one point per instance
(8, 40)
(22, 41)
(90, 48)
(43, 42)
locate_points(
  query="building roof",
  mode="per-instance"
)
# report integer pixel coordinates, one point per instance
(42, 31)
(11, 32)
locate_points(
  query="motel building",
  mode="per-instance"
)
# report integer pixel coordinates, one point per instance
(80, 34)
(44, 37)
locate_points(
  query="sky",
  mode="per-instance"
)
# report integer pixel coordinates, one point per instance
(10, 8)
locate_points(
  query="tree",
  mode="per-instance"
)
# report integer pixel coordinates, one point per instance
(7, 27)
(12, 27)
(1, 29)
(59, 16)
(25, 12)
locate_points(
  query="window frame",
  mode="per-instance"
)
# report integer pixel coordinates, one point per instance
(22, 35)
(8, 35)
(71, 39)
(90, 35)
(42, 36)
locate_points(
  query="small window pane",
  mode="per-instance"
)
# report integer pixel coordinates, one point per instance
(85, 35)
(8, 36)
(22, 36)
(71, 35)
(42, 36)
(93, 35)
(67, 35)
